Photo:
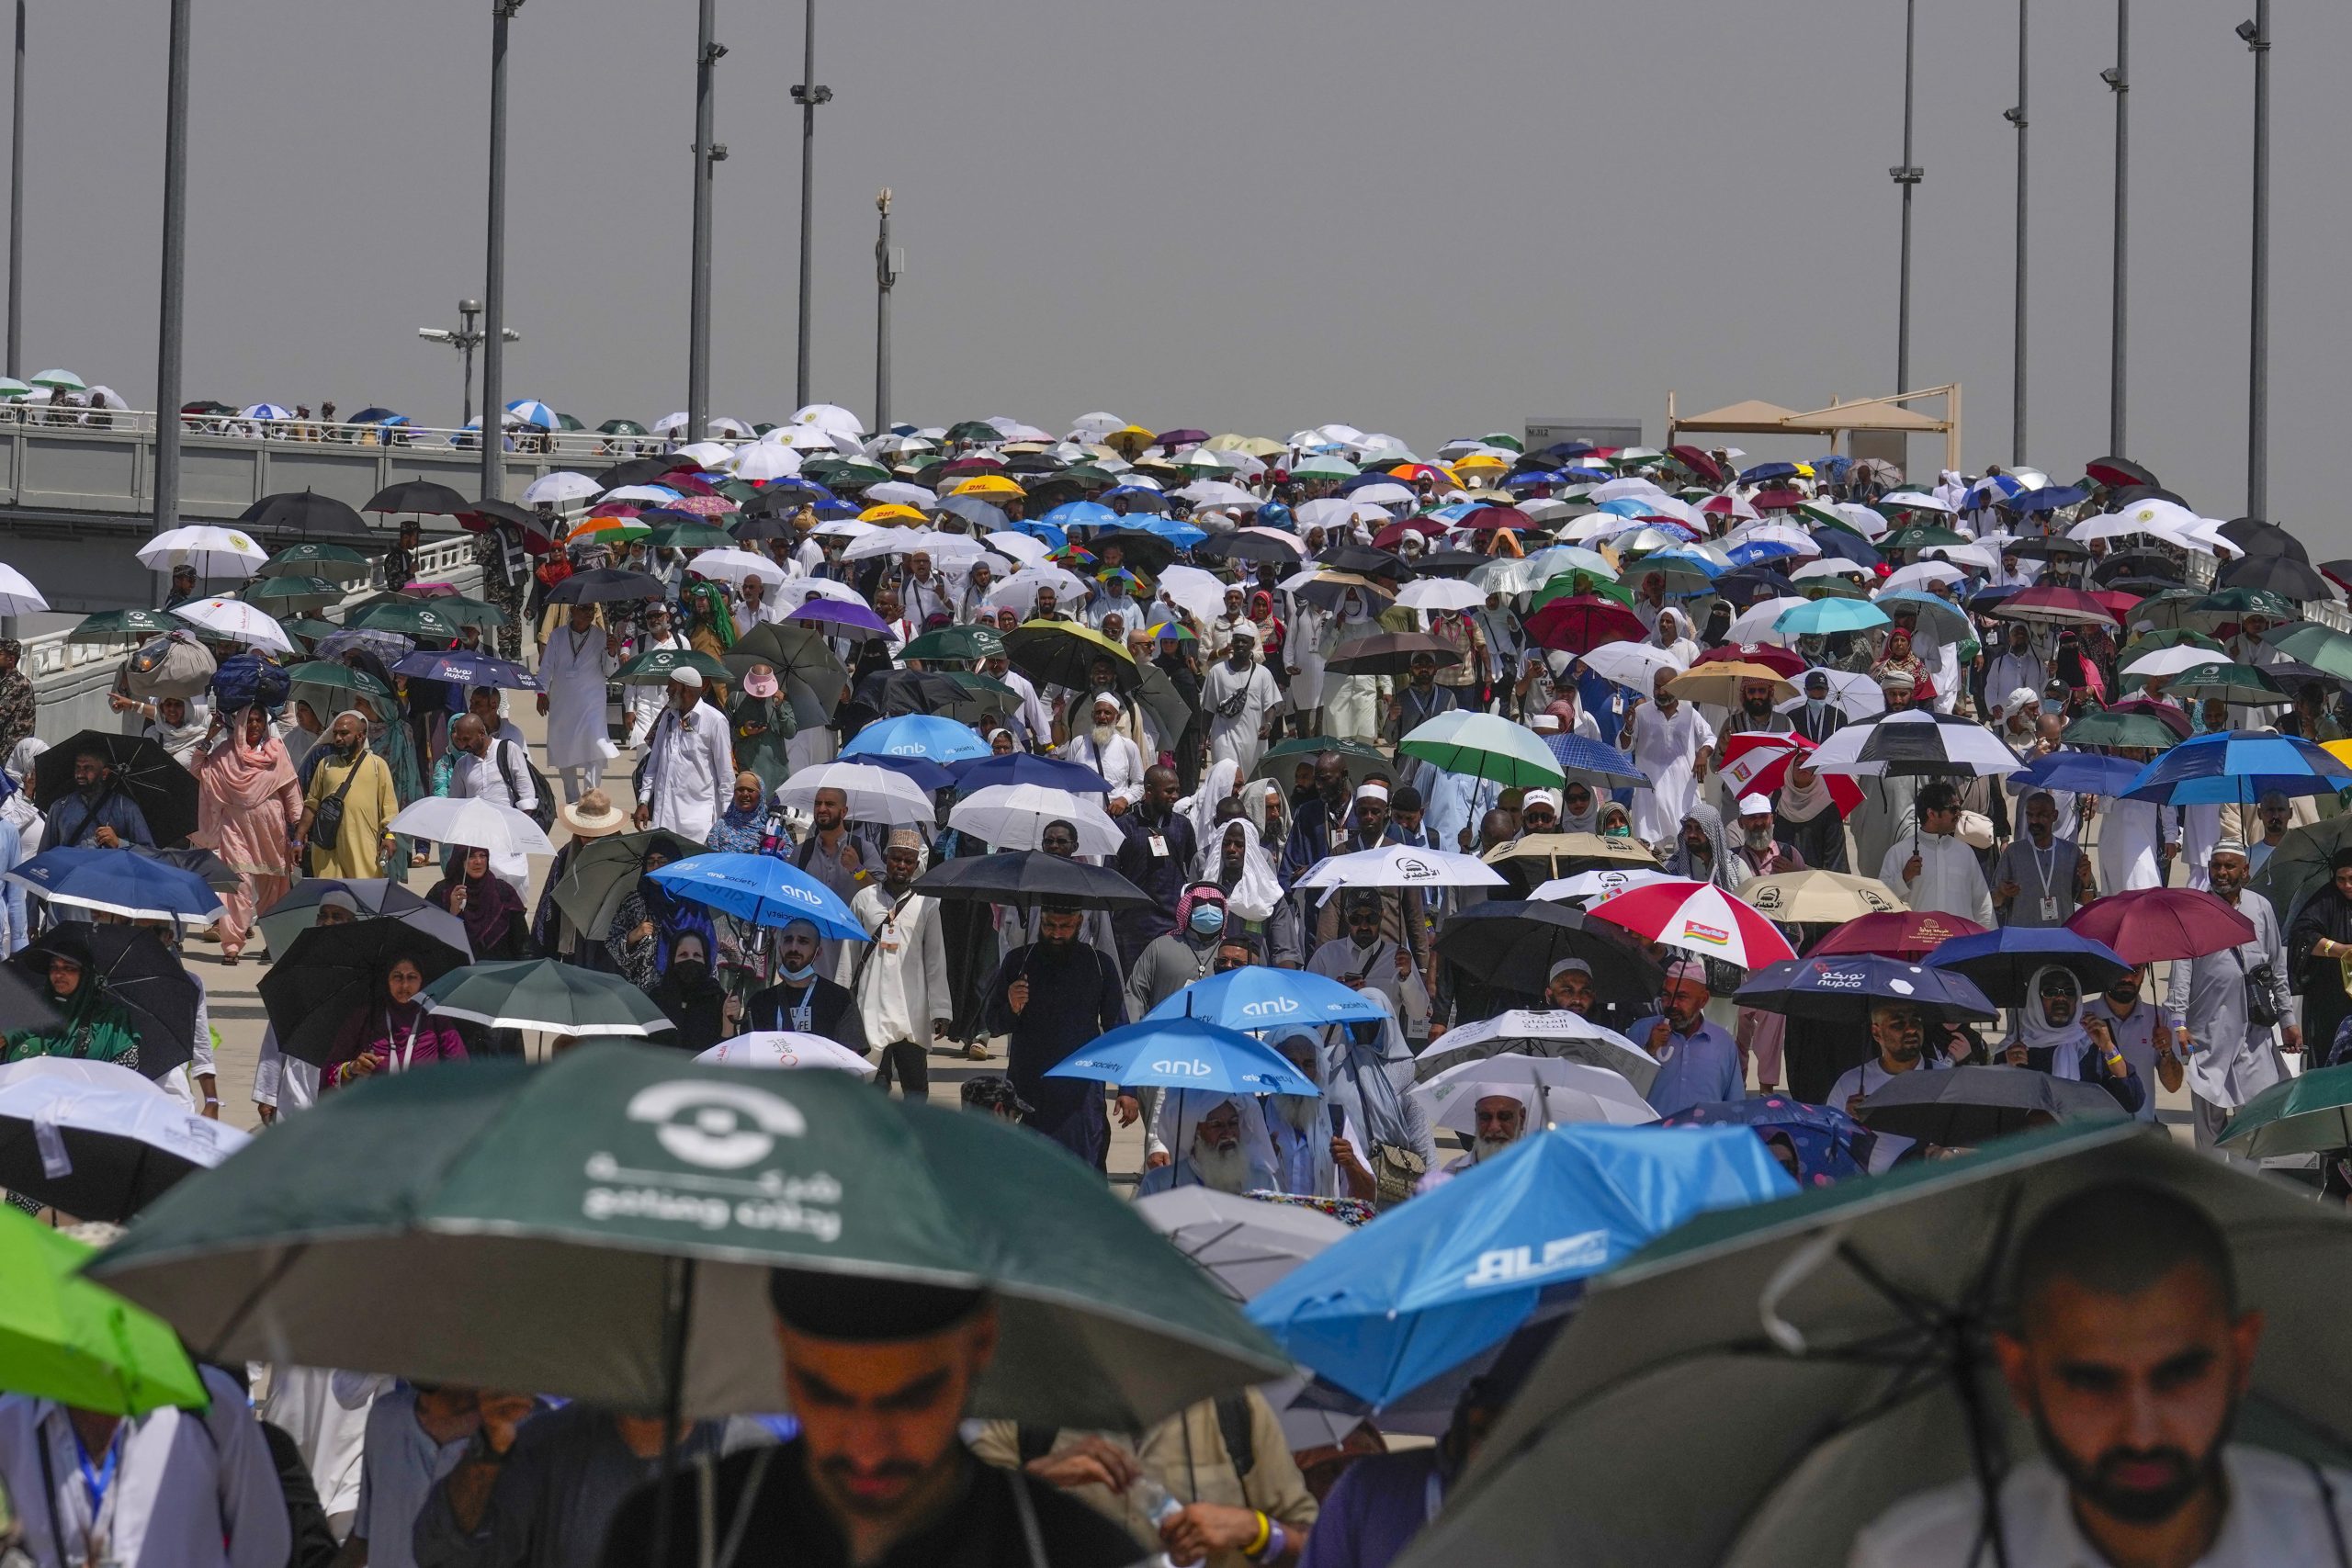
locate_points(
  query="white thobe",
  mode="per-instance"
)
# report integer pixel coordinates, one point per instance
(485, 778)
(2232, 1059)
(1665, 748)
(574, 669)
(690, 771)
(900, 977)
(2009, 673)
(1120, 764)
(1950, 882)
(645, 702)
(1030, 715)
(2129, 834)
(2200, 829)
(1238, 738)
(287, 1082)
(185, 1481)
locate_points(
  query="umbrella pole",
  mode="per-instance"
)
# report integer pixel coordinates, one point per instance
(677, 1308)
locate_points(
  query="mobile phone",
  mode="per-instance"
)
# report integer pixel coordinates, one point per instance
(1338, 1121)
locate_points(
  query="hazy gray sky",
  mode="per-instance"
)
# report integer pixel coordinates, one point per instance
(1430, 220)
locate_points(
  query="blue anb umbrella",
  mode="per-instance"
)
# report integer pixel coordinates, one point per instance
(762, 889)
(1184, 1053)
(1027, 767)
(927, 735)
(1455, 1272)
(121, 884)
(1257, 999)
(2239, 766)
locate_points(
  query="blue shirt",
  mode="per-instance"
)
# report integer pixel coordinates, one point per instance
(74, 822)
(1698, 1068)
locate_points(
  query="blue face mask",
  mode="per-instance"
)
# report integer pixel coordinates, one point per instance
(1208, 918)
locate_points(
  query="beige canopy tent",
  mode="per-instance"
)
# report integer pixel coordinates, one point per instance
(1840, 421)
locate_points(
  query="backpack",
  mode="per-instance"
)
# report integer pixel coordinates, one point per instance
(542, 810)
(247, 679)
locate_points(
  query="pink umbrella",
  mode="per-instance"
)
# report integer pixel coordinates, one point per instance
(2153, 923)
(1697, 917)
(702, 505)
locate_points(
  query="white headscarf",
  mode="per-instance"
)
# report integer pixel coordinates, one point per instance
(2064, 1042)
(1254, 897)
(1182, 1111)
(1201, 806)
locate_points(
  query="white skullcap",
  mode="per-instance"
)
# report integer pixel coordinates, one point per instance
(1545, 723)
(1540, 797)
(1372, 789)
(1756, 806)
(686, 675)
(2023, 695)
(1111, 697)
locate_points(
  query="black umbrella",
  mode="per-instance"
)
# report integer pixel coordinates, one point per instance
(23, 1005)
(1365, 559)
(204, 862)
(1031, 876)
(1391, 653)
(757, 527)
(1445, 563)
(307, 513)
(2118, 473)
(1249, 548)
(1967, 1105)
(2055, 547)
(479, 515)
(2132, 495)
(1144, 552)
(2141, 564)
(1512, 945)
(297, 912)
(163, 790)
(634, 471)
(2256, 537)
(605, 585)
(147, 978)
(782, 499)
(332, 972)
(419, 495)
(2289, 577)
(886, 693)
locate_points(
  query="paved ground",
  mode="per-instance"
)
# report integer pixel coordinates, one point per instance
(238, 1014)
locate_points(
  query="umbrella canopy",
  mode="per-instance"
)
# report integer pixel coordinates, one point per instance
(1512, 945)
(475, 823)
(1360, 760)
(786, 1048)
(213, 551)
(2002, 962)
(1399, 865)
(1911, 936)
(2301, 864)
(467, 670)
(297, 912)
(597, 875)
(1697, 917)
(1485, 746)
(328, 974)
(1031, 876)
(97, 1141)
(2113, 727)
(1817, 617)
(1027, 768)
(920, 735)
(62, 1338)
(419, 496)
(1244, 1243)
(1062, 653)
(1843, 987)
(1256, 999)
(337, 563)
(2237, 766)
(802, 661)
(540, 993)
(2150, 924)
(1558, 1092)
(875, 794)
(1188, 1053)
(139, 972)
(1965, 1107)
(765, 890)
(1857, 1317)
(1721, 682)
(2310, 1113)
(2078, 773)
(1819, 897)
(1393, 653)
(955, 644)
(605, 585)
(1458, 1270)
(508, 1198)
(1015, 817)
(1583, 623)
(1915, 743)
(1551, 1034)
(163, 790)
(2047, 605)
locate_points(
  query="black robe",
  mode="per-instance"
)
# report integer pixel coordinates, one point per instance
(831, 1013)
(1075, 995)
(2326, 915)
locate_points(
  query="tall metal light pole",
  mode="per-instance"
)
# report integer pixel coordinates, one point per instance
(2257, 34)
(1907, 175)
(2016, 117)
(466, 338)
(494, 316)
(169, 317)
(708, 55)
(16, 212)
(888, 264)
(2119, 81)
(808, 95)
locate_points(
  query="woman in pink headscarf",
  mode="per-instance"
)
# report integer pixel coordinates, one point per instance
(248, 801)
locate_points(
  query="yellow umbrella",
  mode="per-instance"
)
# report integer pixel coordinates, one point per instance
(988, 484)
(892, 513)
(1128, 440)
(2339, 750)
(1256, 445)
(1484, 462)
(1719, 683)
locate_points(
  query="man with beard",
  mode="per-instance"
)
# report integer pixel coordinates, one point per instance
(899, 974)
(803, 1000)
(1109, 753)
(1759, 850)
(1901, 1036)
(2041, 878)
(1179, 957)
(1569, 987)
(1240, 696)
(2140, 1034)
(2051, 1035)
(1051, 998)
(1156, 853)
(2130, 1353)
(1315, 825)
(1501, 1121)
(2014, 670)
(838, 856)
(100, 813)
(1698, 1063)
(1363, 956)
(1307, 1154)
(1754, 715)
(1668, 741)
(2232, 1054)
(1210, 1126)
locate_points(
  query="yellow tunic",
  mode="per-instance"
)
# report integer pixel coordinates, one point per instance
(371, 803)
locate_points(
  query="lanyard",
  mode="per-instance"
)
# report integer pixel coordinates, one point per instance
(397, 1051)
(2042, 868)
(94, 1483)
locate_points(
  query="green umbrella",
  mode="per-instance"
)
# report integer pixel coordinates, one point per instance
(955, 642)
(521, 1227)
(1921, 535)
(409, 617)
(1277, 760)
(1570, 584)
(2232, 683)
(2306, 1115)
(1819, 1359)
(2300, 866)
(2235, 605)
(467, 612)
(129, 625)
(2322, 648)
(622, 427)
(332, 675)
(339, 562)
(2171, 636)
(802, 660)
(541, 993)
(654, 667)
(280, 595)
(596, 876)
(64, 1338)
(306, 627)
(566, 422)
(689, 537)
(2102, 728)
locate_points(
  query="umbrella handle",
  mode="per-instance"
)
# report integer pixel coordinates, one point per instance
(1801, 1266)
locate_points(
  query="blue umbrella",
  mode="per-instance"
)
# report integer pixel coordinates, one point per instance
(1842, 988)
(923, 735)
(1818, 617)
(2239, 766)
(467, 670)
(841, 612)
(1024, 767)
(983, 517)
(1830, 1146)
(928, 775)
(762, 889)
(1176, 531)
(2002, 960)
(1989, 490)
(1038, 528)
(1763, 471)
(2049, 498)
(1847, 546)
(1753, 552)
(1591, 759)
(1259, 998)
(538, 413)
(1083, 514)
(1453, 1272)
(2080, 772)
(1184, 1053)
(121, 884)
(1138, 496)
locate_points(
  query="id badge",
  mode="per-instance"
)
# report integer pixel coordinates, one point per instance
(2049, 907)
(1160, 845)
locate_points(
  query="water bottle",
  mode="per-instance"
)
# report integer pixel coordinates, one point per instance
(1158, 1506)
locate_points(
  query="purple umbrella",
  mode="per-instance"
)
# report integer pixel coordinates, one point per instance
(840, 612)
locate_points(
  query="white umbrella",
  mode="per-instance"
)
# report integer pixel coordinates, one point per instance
(1195, 590)
(214, 552)
(668, 422)
(1917, 501)
(786, 1048)
(58, 380)
(653, 495)
(710, 455)
(237, 621)
(875, 794)
(1555, 1090)
(798, 590)
(1019, 592)
(1218, 492)
(560, 488)
(898, 492)
(1755, 623)
(2170, 660)
(1246, 1244)
(1633, 665)
(1827, 566)
(1386, 495)
(476, 824)
(265, 411)
(727, 425)
(1014, 817)
(1977, 556)
(18, 596)
(1922, 574)
(734, 565)
(1442, 593)
(941, 547)
(760, 461)
(1854, 693)
(828, 416)
(1023, 547)
(1340, 511)
(1402, 865)
(1543, 1032)
(1595, 887)
(116, 1125)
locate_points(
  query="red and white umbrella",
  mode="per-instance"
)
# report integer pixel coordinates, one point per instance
(1697, 917)
(1756, 764)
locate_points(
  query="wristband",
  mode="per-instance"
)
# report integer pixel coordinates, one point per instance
(1277, 1543)
(1265, 1530)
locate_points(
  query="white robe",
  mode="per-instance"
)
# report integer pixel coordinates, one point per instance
(1951, 881)
(574, 671)
(1238, 738)
(1120, 764)
(1304, 648)
(2129, 833)
(645, 702)
(691, 772)
(1666, 750)
(1354, 706)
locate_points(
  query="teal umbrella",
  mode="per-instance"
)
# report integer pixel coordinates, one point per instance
(510, 1225)
(129, 626)
(543, 994)
(1483, 745)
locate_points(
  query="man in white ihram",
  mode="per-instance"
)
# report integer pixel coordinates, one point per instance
(1501, 1121)
(1217, 1155)
(1934, 868)
(579, 659)
(1237, 693)
(2130, 1352)
(689, 763)
(1109, 753)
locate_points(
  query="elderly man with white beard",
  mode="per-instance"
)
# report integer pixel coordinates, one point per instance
(1502, 1120)
(1109, 753)
(1226, 1148)
(1307, 1146)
